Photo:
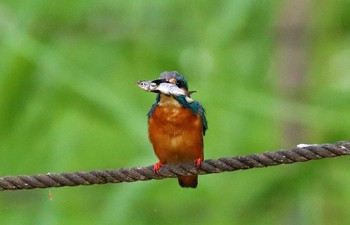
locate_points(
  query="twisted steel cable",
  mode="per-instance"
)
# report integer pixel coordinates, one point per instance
(301, 153)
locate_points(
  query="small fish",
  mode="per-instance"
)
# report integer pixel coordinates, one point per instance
(164, 88)
(147, 85)
(172, 89)
(160, 86)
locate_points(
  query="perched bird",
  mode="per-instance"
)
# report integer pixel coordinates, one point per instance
(176, 125)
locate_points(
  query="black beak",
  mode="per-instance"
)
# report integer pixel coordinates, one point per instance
(159, 81)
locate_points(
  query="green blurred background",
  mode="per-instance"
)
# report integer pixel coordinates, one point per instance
(271, 74)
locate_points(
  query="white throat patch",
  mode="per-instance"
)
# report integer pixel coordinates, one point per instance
(168, 101)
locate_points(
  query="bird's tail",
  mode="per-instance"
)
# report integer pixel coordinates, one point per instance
(188, 181)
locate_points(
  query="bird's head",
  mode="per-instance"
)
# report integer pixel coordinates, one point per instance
(169, 84)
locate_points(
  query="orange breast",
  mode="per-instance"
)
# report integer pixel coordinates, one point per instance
(176, 134)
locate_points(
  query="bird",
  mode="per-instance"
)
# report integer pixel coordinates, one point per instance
(176, 126)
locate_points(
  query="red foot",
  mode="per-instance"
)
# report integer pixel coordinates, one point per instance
(198, 162)
(157, 166)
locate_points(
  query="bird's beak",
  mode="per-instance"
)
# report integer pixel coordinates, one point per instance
(157, 82)
(154, 85)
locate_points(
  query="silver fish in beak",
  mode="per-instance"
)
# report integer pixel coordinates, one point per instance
(166, 88)
(147, 85)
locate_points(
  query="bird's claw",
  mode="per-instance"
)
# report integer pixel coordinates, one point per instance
(157, 166)
(198, 162)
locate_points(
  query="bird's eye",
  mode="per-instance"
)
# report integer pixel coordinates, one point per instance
(179, 83)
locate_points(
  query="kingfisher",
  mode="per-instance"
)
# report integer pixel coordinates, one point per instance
(176, 124)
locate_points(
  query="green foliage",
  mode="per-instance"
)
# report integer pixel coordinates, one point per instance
(68, 102)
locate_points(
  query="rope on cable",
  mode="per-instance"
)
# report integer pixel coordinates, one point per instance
(301, 153)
